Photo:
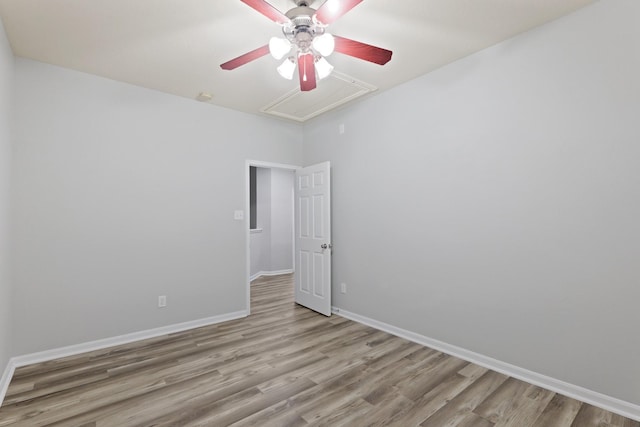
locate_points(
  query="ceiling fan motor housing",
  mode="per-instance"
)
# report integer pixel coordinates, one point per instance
(302, 29)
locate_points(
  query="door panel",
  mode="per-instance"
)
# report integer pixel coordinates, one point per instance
(313, 238)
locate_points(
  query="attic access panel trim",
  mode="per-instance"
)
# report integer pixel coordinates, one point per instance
(332, 92)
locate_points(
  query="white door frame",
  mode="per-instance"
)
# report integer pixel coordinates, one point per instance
(247, 207)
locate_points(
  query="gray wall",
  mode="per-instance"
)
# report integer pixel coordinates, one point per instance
(272, 247)
(123, 194)
(281, 219)
(260, 240)
(6, 90)
(494, 204)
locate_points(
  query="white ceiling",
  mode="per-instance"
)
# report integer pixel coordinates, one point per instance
(176, 46)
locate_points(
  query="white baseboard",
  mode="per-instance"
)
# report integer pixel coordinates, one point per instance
(594, 398)
(269, 273)
(6, 379)
(47, 355)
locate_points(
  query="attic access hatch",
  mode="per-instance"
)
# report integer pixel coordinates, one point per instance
(335, 90)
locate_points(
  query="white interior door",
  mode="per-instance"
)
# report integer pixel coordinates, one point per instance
(313, 238)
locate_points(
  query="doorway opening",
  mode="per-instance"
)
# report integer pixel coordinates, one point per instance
(270, 229)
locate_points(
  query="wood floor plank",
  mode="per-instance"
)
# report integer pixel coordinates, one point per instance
(514, 403)
(283, 365)
(561, 411)
(502, 399)
(385, 410)
(346, 415)
(591, 416)
(428, 377)
(439, 396)
(465, 402)
(242, 408)
(525, 410)
(473, 420)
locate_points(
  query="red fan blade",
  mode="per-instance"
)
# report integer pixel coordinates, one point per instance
(374, 54)
(247, 57)
(267, 10)
(307, 71)
(334, 9)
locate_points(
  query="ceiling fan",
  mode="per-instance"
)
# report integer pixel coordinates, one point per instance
(306, 42)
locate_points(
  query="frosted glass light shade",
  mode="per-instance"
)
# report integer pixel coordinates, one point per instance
(279, 47)
(323, 68)
(287, 68)
(324, 44)
(333, 5)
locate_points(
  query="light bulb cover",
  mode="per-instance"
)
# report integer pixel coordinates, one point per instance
(287, 68)
(324, 44)
(279, 47)
(333, 5)
(323, 68)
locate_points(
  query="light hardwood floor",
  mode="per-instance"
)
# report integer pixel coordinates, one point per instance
(282, 366)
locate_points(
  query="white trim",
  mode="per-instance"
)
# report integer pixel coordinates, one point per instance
(72, 350)
(255, 230)
(293, 224)
(594, 398)
(247, 206)
(6, 379)
(269, 273)
(270, 165)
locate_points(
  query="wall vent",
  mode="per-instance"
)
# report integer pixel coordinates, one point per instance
(335, 90)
